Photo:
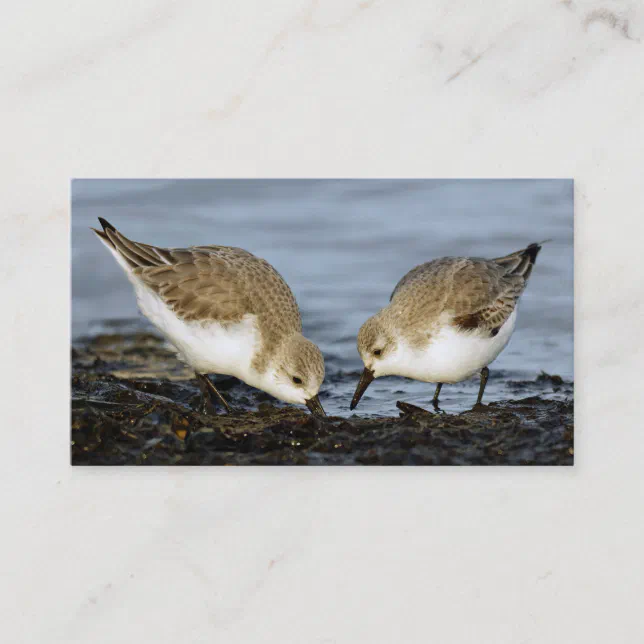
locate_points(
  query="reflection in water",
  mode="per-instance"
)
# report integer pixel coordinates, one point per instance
(342, 245)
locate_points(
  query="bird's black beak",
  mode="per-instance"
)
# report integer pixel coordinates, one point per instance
(365, 380)
(315, 407)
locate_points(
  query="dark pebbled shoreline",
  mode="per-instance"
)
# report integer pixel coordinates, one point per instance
(133, 403)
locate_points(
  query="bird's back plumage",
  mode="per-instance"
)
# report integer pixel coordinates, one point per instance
(210, 283)
(475, 293)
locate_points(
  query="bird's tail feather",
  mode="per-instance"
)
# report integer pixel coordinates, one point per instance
(521, 262)
(130, 254)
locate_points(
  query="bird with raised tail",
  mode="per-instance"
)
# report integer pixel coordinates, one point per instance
(226, 312)
(447, 320)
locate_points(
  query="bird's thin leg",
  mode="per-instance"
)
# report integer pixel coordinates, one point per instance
(207, 405)
(436, 393)
(485, 372)
(209, 389)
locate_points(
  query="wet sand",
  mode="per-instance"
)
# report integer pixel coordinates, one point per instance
(134, 403)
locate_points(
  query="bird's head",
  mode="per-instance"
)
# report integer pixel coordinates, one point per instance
(378, 349)
(297, 372)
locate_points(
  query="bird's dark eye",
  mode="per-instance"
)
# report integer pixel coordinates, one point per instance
(377, 352)
(297, 381)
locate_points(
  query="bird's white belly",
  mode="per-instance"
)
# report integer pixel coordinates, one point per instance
(454, 355)
(207, 347)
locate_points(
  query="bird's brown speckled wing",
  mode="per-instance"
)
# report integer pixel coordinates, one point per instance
(212, 283)
(476, 293)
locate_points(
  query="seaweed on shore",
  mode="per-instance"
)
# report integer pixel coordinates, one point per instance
(134, 403)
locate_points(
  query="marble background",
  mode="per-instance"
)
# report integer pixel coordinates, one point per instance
(312, 88)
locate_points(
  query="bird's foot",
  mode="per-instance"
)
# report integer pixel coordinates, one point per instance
(435, 402)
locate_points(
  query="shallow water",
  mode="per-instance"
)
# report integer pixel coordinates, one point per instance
(342, 245)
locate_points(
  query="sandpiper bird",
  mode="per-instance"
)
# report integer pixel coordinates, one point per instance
(446, 320)
(225, 311)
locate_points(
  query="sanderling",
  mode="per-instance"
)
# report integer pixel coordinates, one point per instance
(226, 312)
(446, 320)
